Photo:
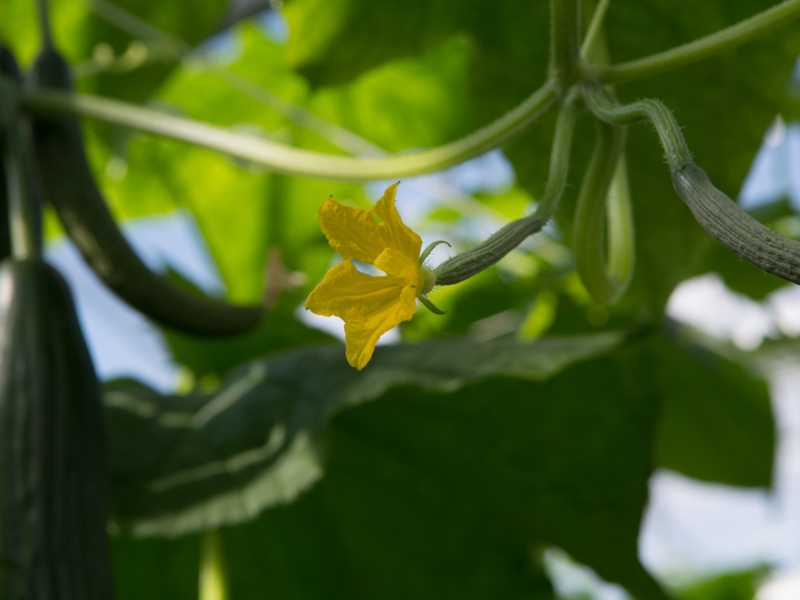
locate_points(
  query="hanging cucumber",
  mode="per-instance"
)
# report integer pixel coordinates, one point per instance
(53, 473)
(68, 184)
(52, 451)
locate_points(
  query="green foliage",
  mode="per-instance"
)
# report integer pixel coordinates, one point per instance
(256, 436)
(157, 568)
(443, 467)
(561, 461)
(716, 424)
(735, 586)
(496, 449)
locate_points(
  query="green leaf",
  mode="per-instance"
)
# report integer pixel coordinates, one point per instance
(451, 489)
(155, 568)
(731, 586)
(223, 457)
(716, 422)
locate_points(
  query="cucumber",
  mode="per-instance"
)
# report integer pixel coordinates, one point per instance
(68, 184)
(53, 474)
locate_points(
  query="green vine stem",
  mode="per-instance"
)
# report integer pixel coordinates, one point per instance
(23, 212)
(293, 161)
(720, 216)
(484, 255)
(213, 580)
(606, 282)
(565, 54)
(669, 132)
(288, 160)
(711, 45)
(45, 29)
(589, 233)
(593, 33)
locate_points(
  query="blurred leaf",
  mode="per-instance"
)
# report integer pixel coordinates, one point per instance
(78, 29)
(407, 103)
(732, 586)
(278, 331)
(512, 203)
(716, 422)
(455, 487)
(223, 457)
(156, 569)
(396, 536)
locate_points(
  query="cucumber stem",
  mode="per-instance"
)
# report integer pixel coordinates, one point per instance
(45, 30)
(24, 218)
(565, 34)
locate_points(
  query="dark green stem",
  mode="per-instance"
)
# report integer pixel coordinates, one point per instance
(565, 48)
(24, 215)
(45, 30)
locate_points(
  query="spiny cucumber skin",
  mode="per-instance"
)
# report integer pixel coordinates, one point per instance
(53, 473)
(724, 220)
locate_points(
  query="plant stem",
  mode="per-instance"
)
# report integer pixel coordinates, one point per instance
(716, 43)
(595, 28)
(559, 159)
(213, 580)
(45, 30)
(565, 42)
(590, 216)
(487, 253)
(288, 160)
(675, 148)
(23, 213)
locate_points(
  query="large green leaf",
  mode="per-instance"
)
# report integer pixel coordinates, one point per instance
(221, 458)
(155, 568)
(557, 456)
(420, 479)
(716, 422)
(489, 472)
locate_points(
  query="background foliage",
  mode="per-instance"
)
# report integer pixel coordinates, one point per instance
(446, 467)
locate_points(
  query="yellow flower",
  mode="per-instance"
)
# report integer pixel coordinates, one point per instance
(370, 306)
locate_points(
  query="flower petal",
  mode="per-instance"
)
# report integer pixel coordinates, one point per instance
(393, 262)
(353, 232)
(399, 236)
(345, 290)
(361, 334)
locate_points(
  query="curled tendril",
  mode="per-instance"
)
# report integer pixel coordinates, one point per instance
(604, 283)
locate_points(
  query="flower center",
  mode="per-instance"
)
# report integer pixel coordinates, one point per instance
(428, 280)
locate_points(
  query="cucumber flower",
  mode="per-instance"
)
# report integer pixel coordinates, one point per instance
(371, 306)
